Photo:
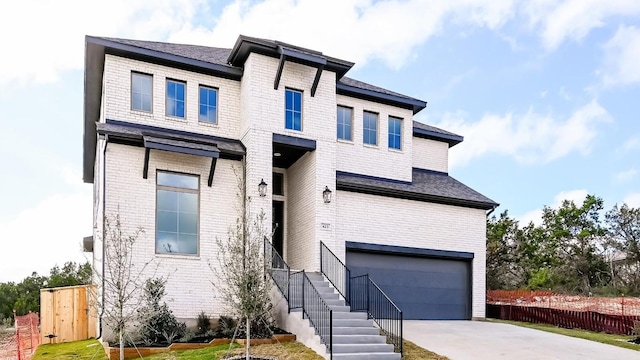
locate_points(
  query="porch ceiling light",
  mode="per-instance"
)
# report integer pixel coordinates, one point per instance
(262, 188)
(326, 195)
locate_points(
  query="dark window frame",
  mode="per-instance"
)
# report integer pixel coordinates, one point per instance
(293, 110)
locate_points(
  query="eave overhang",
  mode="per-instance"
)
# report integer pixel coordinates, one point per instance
(414, 105)
(451, 139)
(246, 45)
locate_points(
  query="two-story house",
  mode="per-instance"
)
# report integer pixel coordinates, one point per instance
(168, 126)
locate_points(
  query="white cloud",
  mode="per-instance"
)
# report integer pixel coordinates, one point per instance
(632, 200)
(47, 234)
(44, 38)
(535, 216)
(631, 144)
(574, 19)
(530, 138)
(625, 176)
(622, 57)
(385, 30)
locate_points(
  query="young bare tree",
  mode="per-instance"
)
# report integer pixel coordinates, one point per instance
(122, 279)
(240, 269)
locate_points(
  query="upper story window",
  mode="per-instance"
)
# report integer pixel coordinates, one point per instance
(141, 91)
(177, 213)
(395, 133)
(345, 123)
(293, 110)
(208, 105)
(175, 98)
(370, 128)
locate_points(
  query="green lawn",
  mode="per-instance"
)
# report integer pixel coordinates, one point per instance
(92, 350)
(616, 340)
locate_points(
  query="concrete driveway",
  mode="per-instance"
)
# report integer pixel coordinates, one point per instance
(460, 340)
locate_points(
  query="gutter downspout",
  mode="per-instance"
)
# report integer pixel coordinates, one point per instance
(492, 210)
(104, 208)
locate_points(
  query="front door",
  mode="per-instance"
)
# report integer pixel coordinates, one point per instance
(278, 226)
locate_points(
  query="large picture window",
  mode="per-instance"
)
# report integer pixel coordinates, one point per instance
(177, 213)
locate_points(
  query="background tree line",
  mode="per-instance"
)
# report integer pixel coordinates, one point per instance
(577, 249)
(25, 295)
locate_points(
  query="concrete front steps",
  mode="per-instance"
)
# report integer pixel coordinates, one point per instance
(354, 336)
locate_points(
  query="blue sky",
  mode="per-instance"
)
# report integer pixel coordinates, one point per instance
(544, 92)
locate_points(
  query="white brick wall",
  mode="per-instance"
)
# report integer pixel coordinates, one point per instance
(251, 110)
(189, 288)
(430, 154)
(379, 161)
(389, 221)
(117, 97)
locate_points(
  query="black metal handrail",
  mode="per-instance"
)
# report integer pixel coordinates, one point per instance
(367, 296)
(275, 266)
(305, 296)
(363, 294)
(336, 271)
(300, 293)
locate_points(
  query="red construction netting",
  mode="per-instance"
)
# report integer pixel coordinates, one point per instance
(27, 335)
(624, 306)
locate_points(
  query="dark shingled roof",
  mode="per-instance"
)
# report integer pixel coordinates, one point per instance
(423, 126)
(208, 54)
(427, 185)
(363, 85)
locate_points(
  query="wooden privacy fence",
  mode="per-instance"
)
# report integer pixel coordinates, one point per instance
(66, 314)
(610, 315)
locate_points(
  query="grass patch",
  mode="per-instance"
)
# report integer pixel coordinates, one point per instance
(81, 350)
(415, 352)
(91, 349)
(615, 340)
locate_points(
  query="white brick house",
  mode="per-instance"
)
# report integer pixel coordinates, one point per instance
(166, 125)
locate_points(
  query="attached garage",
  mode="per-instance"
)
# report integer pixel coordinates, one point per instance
(425, 284)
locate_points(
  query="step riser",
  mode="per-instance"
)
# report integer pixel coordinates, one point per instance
(361, 348)
(358, 339)
(367, 356)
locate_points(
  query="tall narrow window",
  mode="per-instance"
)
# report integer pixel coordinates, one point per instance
(141, 92)
(177, 213)
(293, 110)
(345, 121)
(208, 105)
(175, 98)
(370, 128)
(395, 133)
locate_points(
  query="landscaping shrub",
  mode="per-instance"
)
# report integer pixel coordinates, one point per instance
(226, 327)
(157, 324)
(203, 323)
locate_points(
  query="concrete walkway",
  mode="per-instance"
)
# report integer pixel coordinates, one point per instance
(460, 340)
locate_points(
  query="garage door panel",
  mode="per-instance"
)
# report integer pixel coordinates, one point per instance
(423, 288)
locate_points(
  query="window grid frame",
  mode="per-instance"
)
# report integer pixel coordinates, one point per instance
(178, 190)
(350, 139)
(293, 111)
(200, 104)
(366, 130)
(395, 135)
(132, 93)
(184, 99)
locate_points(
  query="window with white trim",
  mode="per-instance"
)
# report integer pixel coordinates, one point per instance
(395, 133)
(141, 92)
(177, 213)
(370, 128)
(345, 123)
(175, 98)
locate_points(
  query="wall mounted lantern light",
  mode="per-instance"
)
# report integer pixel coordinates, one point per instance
(262, 188)
(326, 195)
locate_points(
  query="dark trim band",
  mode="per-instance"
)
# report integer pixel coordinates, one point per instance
(403, 250)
